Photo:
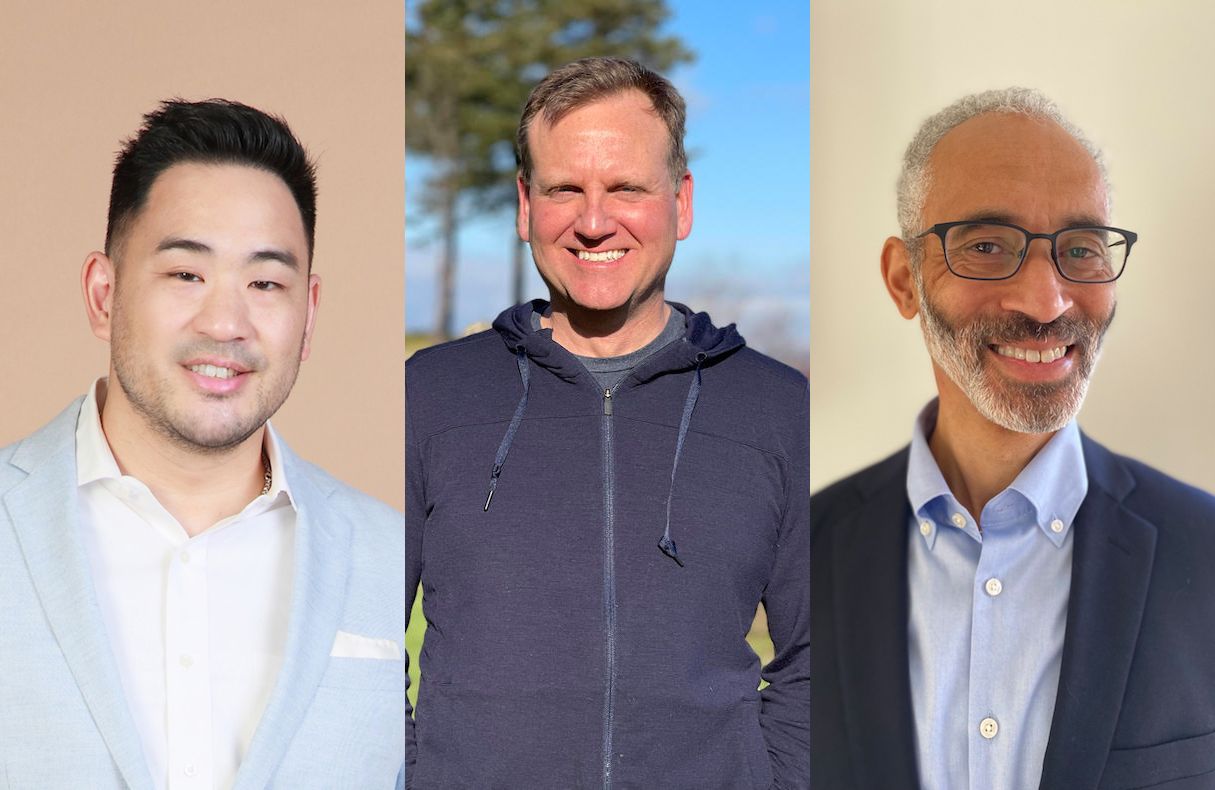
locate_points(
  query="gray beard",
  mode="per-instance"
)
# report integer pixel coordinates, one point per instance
(1037, 407)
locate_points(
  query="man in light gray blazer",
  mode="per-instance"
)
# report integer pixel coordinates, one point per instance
(184, 603)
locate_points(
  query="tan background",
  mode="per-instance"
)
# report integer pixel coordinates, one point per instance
(1137, 77)
(75, 79)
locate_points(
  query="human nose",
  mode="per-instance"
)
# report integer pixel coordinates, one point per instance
(1038, 290)
(223, 314)
(595, 218)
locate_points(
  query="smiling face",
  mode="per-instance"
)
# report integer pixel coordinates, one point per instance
(602, 212)
(1020, 351)
(209, 306)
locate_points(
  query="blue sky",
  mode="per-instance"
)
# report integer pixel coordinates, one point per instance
(747, 259)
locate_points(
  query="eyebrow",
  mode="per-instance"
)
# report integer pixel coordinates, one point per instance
(285, 257)
(1073, 221)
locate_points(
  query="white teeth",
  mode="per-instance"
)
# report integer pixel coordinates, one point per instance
(601, 257)
(213, 372)
(1031, 354)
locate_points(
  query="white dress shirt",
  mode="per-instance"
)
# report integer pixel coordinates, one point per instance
(197, 625)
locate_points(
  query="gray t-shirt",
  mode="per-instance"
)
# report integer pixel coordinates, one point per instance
(610, 371)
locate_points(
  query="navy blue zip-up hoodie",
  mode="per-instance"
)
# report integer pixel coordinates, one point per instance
(590, 562)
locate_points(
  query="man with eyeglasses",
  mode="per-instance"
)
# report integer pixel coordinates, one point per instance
(1005, 603)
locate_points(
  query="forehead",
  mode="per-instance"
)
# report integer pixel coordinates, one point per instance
(616, 130)
(1028, 170)
(229, 199)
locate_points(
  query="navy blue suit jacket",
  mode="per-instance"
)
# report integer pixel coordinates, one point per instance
(1136, 700)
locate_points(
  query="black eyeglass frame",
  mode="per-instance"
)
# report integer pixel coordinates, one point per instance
(942, 228)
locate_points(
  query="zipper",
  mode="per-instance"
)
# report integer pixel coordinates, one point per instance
(609, 586)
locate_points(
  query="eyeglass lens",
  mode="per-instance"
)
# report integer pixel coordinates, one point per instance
(989, 252)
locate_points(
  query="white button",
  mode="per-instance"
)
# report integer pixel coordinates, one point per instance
(988, 728)
(189, 769)
(993, 587)
(186, 661)
(925, 528)
(185, 557)
(958, 520)
(1056, 526)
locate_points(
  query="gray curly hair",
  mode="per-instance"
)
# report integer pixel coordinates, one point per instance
(916, 176)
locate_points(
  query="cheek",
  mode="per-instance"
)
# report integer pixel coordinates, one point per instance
(549, 222)
(1096, 301)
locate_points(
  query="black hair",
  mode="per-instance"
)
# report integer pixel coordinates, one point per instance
(216, 131)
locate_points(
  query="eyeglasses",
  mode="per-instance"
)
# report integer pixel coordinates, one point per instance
(996, 250)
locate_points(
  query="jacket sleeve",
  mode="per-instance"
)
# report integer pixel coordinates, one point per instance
(785, 710)
(415, 518)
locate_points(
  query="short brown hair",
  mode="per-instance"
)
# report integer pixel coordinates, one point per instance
(579, 83)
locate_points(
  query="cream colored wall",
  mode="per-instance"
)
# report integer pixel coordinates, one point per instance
(1138, 78)
(75, 79)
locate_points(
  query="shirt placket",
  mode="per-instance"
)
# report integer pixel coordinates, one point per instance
(187, 668)
(987, 722)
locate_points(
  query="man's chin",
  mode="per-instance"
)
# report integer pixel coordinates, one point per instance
(1036, 408)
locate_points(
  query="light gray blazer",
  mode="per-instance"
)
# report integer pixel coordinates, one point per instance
(64, 723)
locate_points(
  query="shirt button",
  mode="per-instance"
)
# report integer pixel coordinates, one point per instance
(1056, 526)
(994, 587)
(958, 520)
(988, 728)
(925, 528)
(186, 661)
(189, 769)
(185, 557)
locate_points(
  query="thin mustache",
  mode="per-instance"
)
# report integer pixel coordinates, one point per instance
(231, 351)
(1065, 329)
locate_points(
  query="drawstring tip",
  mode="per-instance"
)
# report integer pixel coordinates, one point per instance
(488, 499)
(668, 548)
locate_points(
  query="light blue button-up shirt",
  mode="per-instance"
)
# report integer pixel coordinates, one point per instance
(988, 612)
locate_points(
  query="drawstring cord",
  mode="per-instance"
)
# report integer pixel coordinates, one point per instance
(665, 542)
(504, 447)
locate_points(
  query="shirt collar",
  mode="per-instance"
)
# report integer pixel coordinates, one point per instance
(95, 460)
(1054, 483)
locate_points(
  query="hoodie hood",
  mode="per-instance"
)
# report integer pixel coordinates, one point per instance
(702, 343)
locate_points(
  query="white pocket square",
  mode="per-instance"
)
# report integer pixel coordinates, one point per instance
(347, 645)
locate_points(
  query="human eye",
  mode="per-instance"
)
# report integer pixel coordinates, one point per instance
(265, 285)
(185, 277)
(1085, 246)
(986, 247)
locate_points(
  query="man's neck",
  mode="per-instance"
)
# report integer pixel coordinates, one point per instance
(197, 488)
(978, 458)
(606, 333)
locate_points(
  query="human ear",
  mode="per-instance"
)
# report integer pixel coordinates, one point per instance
(314, 299)
(97, 280)
(523, 217)
(896, 273)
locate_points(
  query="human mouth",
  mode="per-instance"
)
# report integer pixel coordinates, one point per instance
(1043, 356)
(607, 256)
(214, 371)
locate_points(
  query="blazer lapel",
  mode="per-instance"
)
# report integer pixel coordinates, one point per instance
(44, 512)
(1111, 570)
(871, 601)
(322, 564)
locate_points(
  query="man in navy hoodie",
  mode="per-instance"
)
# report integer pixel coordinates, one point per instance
(602, 488)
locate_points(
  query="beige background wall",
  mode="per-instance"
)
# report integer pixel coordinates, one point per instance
(1138, 78)
(75, 79)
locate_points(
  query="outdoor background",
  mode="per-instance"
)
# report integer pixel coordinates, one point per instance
(1137, 78)
(75, 80)
(747, 259)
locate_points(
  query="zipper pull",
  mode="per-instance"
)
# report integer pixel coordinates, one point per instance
(607, 402)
